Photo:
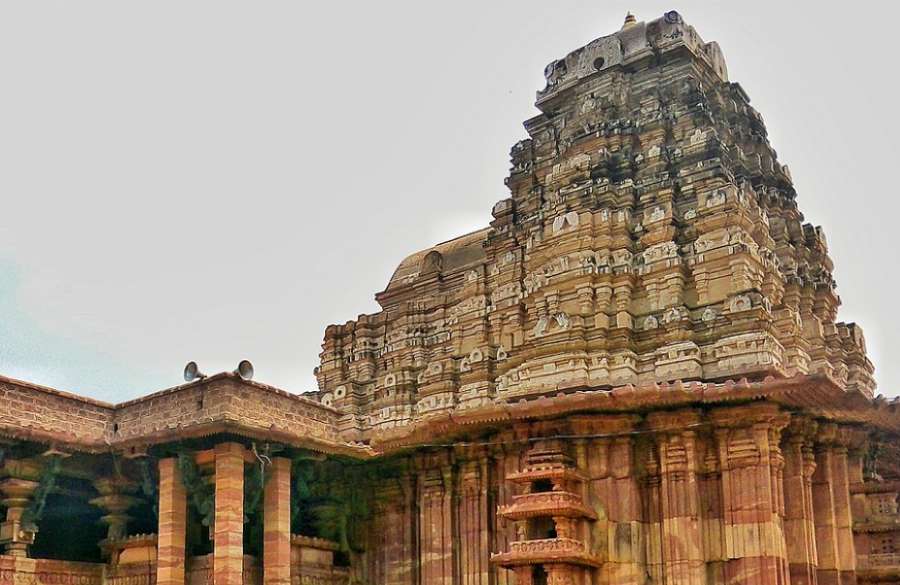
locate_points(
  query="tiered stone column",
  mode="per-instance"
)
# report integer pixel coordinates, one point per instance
(115, 499)
(172, 525)
(14, 535)
(799, 527)
(277, 524)
(228, 550)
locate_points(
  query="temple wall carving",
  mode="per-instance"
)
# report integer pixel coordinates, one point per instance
(688, 496)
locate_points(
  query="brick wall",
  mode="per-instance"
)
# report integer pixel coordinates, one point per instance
(251, 406)
(40, 412)
(219, 403)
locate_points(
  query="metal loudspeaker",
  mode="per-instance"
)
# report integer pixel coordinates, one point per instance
(245, 370)
(192, 372)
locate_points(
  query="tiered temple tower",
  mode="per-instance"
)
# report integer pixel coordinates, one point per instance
(633, 376)
(651, 235)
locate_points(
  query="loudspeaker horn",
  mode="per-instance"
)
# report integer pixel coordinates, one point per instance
(192, 372)
(245, 370)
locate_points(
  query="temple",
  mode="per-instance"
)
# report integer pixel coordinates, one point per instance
(633, 376)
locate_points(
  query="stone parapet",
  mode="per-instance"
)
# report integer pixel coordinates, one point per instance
(220, 403)
(18, 570)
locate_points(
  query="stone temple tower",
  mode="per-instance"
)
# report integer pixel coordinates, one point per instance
(650, 235)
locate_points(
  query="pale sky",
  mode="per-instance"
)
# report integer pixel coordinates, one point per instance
(214, 181)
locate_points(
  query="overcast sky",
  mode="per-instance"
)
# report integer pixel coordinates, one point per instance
(221, 180)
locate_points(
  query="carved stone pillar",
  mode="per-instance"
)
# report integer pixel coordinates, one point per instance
(410, 526)
(115, 499)
(682, 552)
(228, 549)
(823, 508)
(506, 462)
(751, 463)
(612, 490)
(450, 526)
(277, 524)
(559, 574)
(436, 519)
(15, 536)
(799, 527)
(523, 575)
(393, 555)
(843, 516)
(172, 524)
(472, 513)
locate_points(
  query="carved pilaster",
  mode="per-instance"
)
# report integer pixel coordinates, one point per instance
(751, 464)
(823, 485)
(683, 561)
(843, 516)
(799, 527)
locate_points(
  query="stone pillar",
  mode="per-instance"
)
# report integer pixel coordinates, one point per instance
(450, 526)
(474, 554)
(172, 524)
(823, 509)
(410, 526)
(277, 524)
(843, 516)
(799, 527)
(506, 460)
(681, 539)
(436, 521)
(115, 499)
(523, 575)
(15, 537)
(228, 548)
(608, 465)
(751, 464)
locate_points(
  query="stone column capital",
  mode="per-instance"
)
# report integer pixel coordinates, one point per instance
(801, 429)
(16, 533)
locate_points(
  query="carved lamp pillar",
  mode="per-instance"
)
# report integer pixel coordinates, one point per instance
(115, 499)
(552, 519)
(15, 535)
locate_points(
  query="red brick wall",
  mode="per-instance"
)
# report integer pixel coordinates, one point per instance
(30, 410)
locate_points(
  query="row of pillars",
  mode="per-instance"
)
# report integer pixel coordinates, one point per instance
(228, 541)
